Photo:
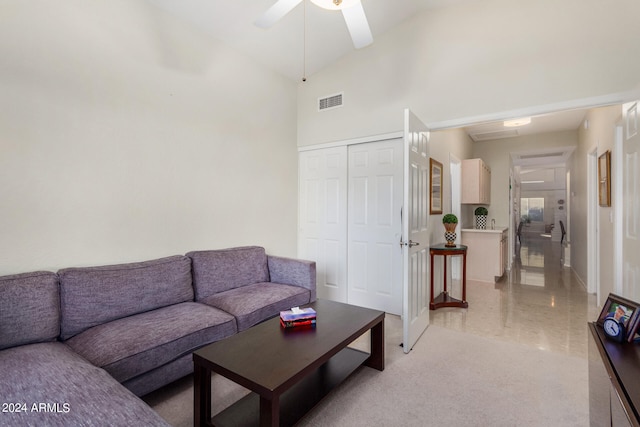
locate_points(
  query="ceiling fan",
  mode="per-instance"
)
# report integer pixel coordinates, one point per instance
(352, 11)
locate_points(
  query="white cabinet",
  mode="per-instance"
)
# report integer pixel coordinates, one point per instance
(486, 254)
(476, 182)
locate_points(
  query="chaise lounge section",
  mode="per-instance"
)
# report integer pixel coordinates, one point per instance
(44, 382)
(85, 342)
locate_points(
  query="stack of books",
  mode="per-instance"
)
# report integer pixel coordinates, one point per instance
(298, 317)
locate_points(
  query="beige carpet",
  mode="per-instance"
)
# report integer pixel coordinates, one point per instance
(450, 378)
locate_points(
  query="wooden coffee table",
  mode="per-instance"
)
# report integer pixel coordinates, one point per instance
(288, 370)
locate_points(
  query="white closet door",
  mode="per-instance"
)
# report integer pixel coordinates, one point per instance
(322, 233)
(375, 225)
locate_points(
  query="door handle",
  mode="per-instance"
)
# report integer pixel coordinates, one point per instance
(410, 244)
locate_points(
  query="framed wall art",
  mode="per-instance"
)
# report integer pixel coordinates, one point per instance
(604, 179)
(435, 190)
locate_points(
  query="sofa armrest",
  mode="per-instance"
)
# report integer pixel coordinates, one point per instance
(297, 272)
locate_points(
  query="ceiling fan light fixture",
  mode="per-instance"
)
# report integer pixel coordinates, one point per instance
(335, 4)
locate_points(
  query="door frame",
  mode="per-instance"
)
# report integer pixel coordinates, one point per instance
(513, 221)
(566, 250)
(617, 189)
(455, 176)
(593, 237)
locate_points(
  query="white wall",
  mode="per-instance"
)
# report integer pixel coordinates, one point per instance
(599, 136)
(473, 60)
(441, 144)
(126, 135)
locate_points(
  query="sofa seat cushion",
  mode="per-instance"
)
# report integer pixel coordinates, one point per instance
(29, 308)
(67, 390)
(254, 303)
(91, 296)
(134, 345)
(219, 270)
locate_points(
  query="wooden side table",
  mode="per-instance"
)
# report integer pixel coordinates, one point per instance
(444, 299)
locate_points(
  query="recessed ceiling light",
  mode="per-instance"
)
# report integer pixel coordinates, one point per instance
(532, 182)
(517, 122)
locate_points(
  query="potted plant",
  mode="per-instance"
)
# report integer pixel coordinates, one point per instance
(450, 222)
(481, 217)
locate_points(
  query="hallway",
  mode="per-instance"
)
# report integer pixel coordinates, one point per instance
(538, 303)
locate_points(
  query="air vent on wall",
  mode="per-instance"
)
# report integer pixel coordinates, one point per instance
(330, 101)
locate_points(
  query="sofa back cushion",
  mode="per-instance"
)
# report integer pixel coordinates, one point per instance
(220, 270)
(92, 296)
(29, 308)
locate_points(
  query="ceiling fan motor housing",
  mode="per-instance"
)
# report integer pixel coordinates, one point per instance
(352, 11)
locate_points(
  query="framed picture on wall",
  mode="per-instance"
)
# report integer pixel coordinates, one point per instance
(435, 191)
(604, 179)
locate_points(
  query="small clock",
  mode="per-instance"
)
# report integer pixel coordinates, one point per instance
(614, 329)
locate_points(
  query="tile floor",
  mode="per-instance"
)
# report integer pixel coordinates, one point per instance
(538, 303)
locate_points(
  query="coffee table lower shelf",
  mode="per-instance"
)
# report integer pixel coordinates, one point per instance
(299, 399)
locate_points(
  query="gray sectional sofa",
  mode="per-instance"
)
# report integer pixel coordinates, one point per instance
(78, 346)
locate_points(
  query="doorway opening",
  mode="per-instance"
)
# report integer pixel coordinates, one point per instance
(540, 204)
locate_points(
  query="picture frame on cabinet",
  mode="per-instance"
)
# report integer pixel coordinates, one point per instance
(634, 332)
(435, 188)
(604, 179)
(624, 310)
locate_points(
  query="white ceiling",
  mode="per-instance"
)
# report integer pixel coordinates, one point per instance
(281, 47)
(556, 122)
(529, 160)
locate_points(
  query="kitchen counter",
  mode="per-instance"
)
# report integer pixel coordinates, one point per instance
(487, 252)
(488, 230)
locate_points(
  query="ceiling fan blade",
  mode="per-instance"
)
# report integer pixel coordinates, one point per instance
(276, 12)
(358, 26)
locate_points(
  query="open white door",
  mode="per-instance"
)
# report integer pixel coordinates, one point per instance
(631, 206)
(415, 243)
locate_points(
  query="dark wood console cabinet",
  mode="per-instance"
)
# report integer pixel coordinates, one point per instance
(614, 381)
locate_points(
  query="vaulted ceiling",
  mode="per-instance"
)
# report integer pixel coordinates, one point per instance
(310, 38)
(283, 47)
